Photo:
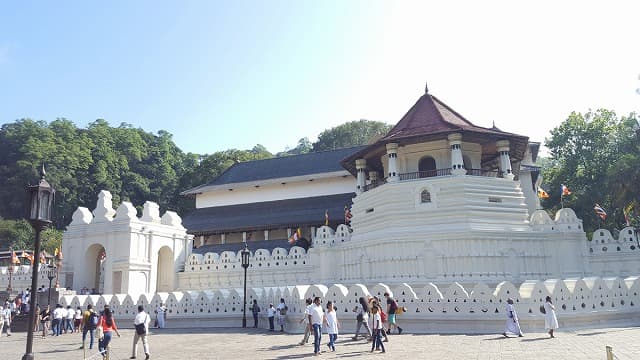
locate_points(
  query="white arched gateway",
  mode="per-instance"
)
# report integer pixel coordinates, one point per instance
(114, 251)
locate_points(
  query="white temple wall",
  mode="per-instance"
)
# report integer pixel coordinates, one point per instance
(342, 182)
(444, 308)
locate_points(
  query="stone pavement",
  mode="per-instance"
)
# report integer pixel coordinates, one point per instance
(236, 343)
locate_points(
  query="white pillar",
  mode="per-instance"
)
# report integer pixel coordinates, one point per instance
(266, 234)
(222, 238)
(505, 162)
(244, 236)
(457, 163)
(361, 165)
(392, 156)
(201, 240)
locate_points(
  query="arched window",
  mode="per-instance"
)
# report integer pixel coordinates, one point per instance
(425, 196)
(427, 167)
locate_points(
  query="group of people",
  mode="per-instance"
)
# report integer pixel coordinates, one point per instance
(103, 325)
(512, 325)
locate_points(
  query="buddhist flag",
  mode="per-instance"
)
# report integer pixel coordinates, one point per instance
(627, 213)
(326, 218)
(347, 215)
(565, 190)
(43, 259)
(295, 236)
(600, 212)
(14, 258)
(27, 256)
(542, 194)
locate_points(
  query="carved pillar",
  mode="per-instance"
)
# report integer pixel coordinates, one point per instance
(392, 155)
(505, 161)
(457, 164)
(361, 165)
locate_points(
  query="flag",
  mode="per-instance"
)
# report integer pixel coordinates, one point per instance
(347, 215)
(565, 190)
(326, 218)
(600, 212)
(295, 236)
(27, 256)
(14, 258)
(43, 258)
(58, 254)
(542, 194)
(627, 213)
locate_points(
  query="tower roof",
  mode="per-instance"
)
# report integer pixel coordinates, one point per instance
(431, 119)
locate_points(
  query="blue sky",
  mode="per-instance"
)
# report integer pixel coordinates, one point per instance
(232, 74)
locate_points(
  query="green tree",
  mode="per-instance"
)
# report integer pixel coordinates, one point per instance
(353, 133)
(597, 156)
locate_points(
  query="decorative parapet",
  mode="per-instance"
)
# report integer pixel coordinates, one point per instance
(565, 221)
(576, 300)
(604, 243)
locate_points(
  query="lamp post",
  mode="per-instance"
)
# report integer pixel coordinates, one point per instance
(10, 270)
(40, 208)
(51, 274)
(245, 264)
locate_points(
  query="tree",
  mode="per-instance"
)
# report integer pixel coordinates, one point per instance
(353, 133)
(596, 155)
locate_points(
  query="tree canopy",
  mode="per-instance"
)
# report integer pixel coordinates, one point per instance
(353, 133)
(596, 155)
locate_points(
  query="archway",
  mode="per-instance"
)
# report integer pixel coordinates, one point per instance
(427, 166)
(95, 257)
(165, 270)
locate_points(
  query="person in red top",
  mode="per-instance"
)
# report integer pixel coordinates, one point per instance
(108, 324)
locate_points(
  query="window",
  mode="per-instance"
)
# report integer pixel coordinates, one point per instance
(425, 196)
(427, 167)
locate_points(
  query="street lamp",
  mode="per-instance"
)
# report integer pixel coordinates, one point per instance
(245, 264)
(40, 209)
(10, 270)
(51, 274)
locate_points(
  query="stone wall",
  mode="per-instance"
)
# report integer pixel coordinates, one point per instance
(474, 308)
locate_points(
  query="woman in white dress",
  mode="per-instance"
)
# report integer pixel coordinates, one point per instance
(550, 319)
(513, 324)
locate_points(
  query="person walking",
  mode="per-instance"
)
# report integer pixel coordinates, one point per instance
(550, 319)
(141, 324)
(316, 318)
(392, 308)
(255, 310)
(90, 320)
(108, 324)
(282, 314)
(56, 324)
(77, 320)
(7, 318)
(305, 320)
(271, 313)
(376, 343)
(513, 324)
(331, 320)
(69, 320)
(45, 316)
(362, 318)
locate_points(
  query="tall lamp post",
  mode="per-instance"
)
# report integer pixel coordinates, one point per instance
(40, 209)
(245, 264)
(10, 270)
(51, 274)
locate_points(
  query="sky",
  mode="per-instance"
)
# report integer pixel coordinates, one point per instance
(233, 74)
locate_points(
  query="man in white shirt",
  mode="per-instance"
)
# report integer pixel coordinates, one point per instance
(5, 320)
(316, 317)
(305, 319)
(58, 314)
(161, 315)
(68, 321)
(141, 324)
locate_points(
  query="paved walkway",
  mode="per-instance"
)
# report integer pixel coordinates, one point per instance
(178, 344)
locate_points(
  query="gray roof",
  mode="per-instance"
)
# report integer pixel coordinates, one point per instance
(279, 214)
(282, 167)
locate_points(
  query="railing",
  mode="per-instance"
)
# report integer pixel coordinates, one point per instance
(424, 174)
(435, 173)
